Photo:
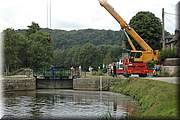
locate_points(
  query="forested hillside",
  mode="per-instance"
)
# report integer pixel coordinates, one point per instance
(38, 47)
(66, 39)
(88, 47)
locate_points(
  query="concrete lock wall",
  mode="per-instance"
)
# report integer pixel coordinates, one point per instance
(90, 84)
(171, 62)
(57, 84)
(171, 70)
(171, 66)
(18, 83)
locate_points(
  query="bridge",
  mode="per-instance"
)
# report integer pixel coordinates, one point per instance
(54, 77)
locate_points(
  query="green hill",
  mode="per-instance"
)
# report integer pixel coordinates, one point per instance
(66, 39)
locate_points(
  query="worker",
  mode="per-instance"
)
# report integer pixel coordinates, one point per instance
(52, 69)
(114, 70)
(72, 72)
(157, 69)
(80, 73)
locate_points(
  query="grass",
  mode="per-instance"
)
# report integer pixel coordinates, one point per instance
(157, 99)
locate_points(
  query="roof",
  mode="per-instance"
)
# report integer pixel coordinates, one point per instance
(169, 37)
(174, 37)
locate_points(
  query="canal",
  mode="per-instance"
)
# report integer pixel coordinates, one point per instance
(61, 104)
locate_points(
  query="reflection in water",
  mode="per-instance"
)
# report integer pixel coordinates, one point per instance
(66, 104)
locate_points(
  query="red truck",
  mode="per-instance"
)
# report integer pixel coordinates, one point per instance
(140, 68)
(126, 68)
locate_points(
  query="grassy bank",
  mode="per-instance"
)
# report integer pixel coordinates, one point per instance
(157, 99)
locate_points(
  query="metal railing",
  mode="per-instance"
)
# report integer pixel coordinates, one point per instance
(57, 73)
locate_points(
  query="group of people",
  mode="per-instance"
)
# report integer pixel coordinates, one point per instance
(75, 72)
(157, 70)
(112, 70)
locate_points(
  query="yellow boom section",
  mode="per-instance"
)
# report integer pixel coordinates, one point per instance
(129, 41)
(125, 26)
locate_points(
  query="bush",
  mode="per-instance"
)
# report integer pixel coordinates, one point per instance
(104, 70)
(168, 53)
(97, 73)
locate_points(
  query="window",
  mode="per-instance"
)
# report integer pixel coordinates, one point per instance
(136, 54)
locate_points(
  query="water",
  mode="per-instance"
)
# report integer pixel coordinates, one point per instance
(67, 104)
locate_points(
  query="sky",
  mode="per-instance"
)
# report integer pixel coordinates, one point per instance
(80, 14)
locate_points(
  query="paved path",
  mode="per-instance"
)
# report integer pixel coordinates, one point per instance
(174, 80)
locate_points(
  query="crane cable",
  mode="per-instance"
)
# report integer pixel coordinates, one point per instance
(49, 19)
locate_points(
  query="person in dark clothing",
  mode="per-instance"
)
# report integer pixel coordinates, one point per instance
(52, 69)
(114, 70)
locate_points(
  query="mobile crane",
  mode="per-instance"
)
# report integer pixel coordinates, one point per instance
(138, 60)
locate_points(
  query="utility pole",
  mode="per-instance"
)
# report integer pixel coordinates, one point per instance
(163, 37)
(48, 7)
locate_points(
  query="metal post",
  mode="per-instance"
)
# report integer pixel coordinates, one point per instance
(100, 83)
(163, 37)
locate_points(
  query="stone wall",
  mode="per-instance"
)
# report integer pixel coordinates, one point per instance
(171, 67)
(18, 82)
(171, 62)
(171, 70)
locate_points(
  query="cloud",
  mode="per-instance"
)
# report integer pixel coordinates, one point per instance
(78, 14)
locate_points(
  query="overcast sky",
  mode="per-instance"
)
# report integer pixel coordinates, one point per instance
(80, 14)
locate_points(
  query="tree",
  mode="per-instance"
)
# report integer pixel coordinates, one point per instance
(33, 28)
(22, 50)
(27, 49)
(148, 26)
(35, 50)
(71, 56)
(41, 51)
(59, 57)
(108, 58)
(10, 50)
(89, 56)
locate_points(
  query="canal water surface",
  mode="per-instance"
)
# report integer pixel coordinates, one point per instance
(63, 104)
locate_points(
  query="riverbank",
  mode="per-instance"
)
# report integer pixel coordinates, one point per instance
(157, 99)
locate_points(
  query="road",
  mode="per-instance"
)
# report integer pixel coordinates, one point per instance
(174, 80)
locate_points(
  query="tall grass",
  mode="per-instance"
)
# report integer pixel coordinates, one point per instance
(157, 99)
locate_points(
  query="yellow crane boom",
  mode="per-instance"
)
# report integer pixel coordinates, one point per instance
(129, 41)
(148, 53)
(125, 26)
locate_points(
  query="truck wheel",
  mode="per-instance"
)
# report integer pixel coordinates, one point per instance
(127, 75)
(142, 75)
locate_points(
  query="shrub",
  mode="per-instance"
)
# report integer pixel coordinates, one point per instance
(168, 53)
(97, 73)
